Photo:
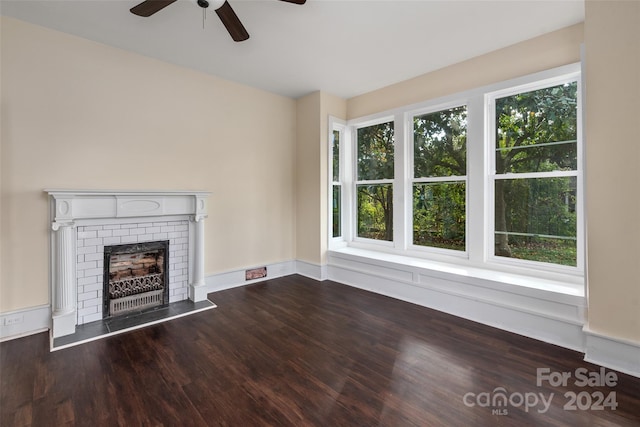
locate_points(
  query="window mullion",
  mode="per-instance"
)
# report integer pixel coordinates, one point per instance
(477, 223)
(375, 181)
(350, 184)
(452, 178)
(400, 226)
(525, 175)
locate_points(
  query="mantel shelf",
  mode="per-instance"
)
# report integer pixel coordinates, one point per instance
(70, 205)
(75, 192)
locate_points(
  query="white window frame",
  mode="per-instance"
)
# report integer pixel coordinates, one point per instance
(340, 126)
(353, 127)
(479, 183)
(413, 180)
(577, 173)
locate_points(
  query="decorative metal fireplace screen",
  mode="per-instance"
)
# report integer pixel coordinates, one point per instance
(136, 277)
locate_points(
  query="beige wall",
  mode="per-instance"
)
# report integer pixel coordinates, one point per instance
(612, 43)
(78, 114)
(538, 54)
(312, 174)
(308, 176)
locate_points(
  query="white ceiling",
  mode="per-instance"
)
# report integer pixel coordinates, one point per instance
(344, 47)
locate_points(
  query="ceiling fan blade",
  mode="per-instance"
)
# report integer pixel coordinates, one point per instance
(296, 1)
(149, 7)
(232, 22)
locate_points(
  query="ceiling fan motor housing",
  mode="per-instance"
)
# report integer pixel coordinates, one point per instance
(215, 4)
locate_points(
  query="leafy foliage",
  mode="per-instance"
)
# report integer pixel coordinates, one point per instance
(536, 132)
(337, 189)
(337, 223)
(375, 211)
(541, 206)
(375, 162)
(375, 152)
(440, 143)
(336, 156)
(440, 150)
(439, 215)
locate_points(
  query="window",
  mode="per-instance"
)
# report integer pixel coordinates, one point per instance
(535, 181)
(336, 185)
(374, 184)
(488, 178)
(439, 178)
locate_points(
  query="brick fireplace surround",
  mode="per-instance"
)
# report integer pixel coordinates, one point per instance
(83, 222)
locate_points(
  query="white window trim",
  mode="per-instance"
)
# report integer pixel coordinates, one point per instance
(339, 125)
(398, 156)
(409, 115)
(479, 227)
(490, 98)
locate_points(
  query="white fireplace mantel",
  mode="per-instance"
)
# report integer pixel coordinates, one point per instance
(70, 205)
(70, 208)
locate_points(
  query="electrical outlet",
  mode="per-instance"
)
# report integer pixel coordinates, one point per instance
(13, 319)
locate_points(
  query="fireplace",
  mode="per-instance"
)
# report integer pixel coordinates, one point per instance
(87, 226)
(136, 277)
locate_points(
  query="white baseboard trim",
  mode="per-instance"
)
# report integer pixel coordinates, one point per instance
(543, 315)
(27, 321)
(235, 278)
(618, 354)
(311, 270)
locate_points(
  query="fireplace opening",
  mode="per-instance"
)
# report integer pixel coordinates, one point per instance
(136, 277)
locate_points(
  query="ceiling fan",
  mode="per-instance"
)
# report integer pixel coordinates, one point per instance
(222, 7)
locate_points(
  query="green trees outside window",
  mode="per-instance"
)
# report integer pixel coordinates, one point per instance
(439, 186)
(374, 186)
(487, 177)
(336, 185)
(536, 175)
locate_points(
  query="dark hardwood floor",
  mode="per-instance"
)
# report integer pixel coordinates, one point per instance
(296, 352)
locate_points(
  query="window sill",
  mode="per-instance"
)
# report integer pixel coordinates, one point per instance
(572, 287)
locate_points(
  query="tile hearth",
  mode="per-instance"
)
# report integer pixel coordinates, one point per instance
(117, 325)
